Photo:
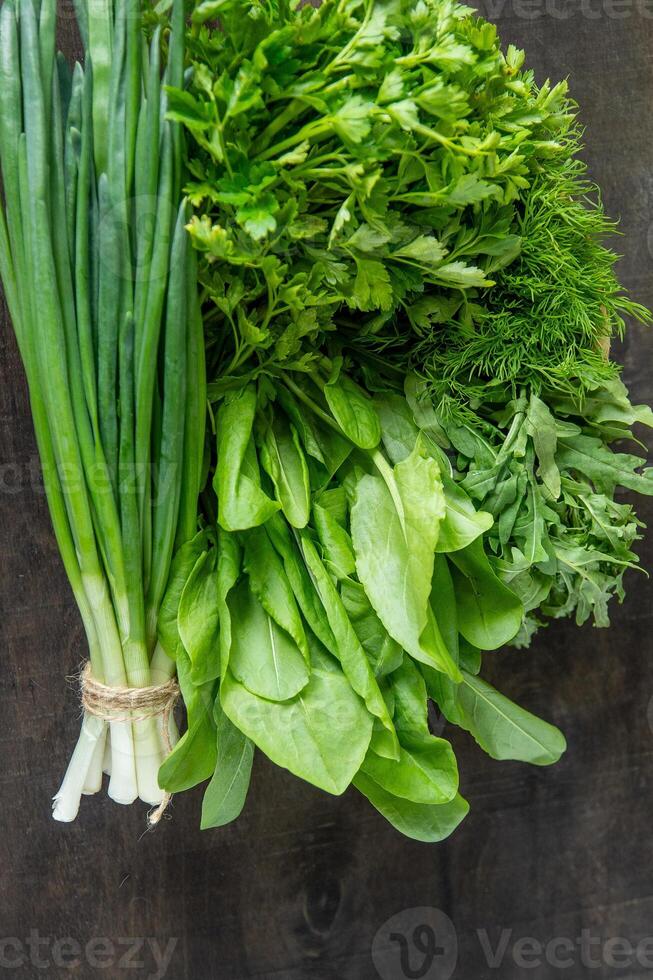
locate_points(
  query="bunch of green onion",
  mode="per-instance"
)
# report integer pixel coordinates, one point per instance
(100, 285)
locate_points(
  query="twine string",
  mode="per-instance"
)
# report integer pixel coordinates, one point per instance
(132, 704)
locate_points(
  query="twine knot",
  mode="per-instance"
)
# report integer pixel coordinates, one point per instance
(132, 704)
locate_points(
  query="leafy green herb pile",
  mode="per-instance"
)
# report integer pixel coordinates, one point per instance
(398, 250)
(379, 181)
(397, 262)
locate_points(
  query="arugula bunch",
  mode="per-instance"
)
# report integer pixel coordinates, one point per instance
(547, 474)
(344, 583)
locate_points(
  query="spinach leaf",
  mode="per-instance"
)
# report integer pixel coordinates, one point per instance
(398, 429)
(225, 795)
(263, 656)
(193, 758)
(470, 658)
(229, 559)
(489, 613)
(462, 523)
(444, 605)
(319, 441)
(336, 543)
(181, 567)
(284, 461)
(426, 770)
(384, 653)
(322, 735)
(424, 822)
(349, 651)
(394, 521)
(300, 582)
(407, 688)
(424, 773)
(198, 617)
(354, 412)
(269, 583)
(501, 728)
(242, 502)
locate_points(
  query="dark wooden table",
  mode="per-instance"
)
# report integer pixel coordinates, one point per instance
(300, 886)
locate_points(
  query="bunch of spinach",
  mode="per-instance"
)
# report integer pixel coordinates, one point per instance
(344, 582)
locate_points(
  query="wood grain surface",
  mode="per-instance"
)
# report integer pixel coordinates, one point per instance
(300, 886)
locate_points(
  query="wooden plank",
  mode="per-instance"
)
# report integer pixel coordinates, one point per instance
(300, 886)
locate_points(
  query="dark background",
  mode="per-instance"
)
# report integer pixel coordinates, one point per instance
(300, 885)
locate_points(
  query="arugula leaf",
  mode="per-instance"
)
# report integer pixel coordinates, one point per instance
(603, 467)
(541, 428)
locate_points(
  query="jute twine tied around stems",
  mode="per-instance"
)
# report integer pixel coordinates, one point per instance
(132, 704)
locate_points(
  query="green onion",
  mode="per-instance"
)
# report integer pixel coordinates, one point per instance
(107, 326)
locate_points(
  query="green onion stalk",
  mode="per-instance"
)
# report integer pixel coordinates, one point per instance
(101, 288)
